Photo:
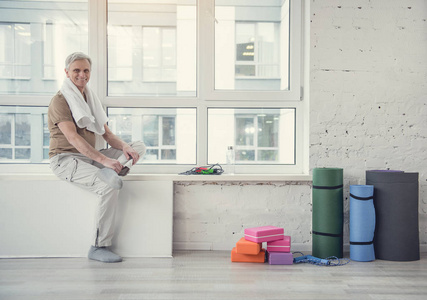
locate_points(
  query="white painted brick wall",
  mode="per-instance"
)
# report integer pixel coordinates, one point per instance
(369, 90)
(213, 216)
(368, 95)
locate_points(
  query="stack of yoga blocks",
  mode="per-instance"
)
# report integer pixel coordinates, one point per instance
(249, 248)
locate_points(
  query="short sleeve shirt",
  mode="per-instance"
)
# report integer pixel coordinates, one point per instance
(58, 112)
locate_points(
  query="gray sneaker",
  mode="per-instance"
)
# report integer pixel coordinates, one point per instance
(103, 254)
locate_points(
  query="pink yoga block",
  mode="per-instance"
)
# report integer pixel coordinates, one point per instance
(264, 234)
(280, 258)
(280, 245)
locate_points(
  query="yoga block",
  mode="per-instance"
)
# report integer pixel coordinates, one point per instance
(264, 234)
(280, 245)
(280, 258)
(238, 257)
(247, 247)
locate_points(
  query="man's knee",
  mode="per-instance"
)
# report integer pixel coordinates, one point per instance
(101, 188)
(139, 147)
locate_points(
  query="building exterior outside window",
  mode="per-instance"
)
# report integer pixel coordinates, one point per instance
(15, 54)
(23, 137)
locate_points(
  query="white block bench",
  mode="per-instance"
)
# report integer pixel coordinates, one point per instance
(42, 216)
(47, 217)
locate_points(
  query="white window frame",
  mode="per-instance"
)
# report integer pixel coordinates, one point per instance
(207, 96)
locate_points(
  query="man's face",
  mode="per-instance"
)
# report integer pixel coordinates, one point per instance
(79, 73)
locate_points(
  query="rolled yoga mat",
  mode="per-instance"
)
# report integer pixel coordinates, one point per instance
(327, 215)
(396, 208)
(362, 222)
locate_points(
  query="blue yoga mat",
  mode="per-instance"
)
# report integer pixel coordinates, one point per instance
(362, 222)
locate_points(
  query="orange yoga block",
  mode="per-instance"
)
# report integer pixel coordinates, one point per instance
(244, 246)
(238, 257)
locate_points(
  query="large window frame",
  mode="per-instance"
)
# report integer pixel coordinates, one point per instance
(207, 96)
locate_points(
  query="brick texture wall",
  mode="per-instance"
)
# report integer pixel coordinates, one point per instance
(368, 96)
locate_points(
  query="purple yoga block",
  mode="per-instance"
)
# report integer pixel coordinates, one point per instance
(280, 258)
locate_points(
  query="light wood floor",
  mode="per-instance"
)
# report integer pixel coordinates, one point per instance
(208, 275)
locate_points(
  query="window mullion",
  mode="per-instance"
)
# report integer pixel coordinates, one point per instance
(205, 73)
(97, 26)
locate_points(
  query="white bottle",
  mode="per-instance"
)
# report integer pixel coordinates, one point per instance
(231, 160)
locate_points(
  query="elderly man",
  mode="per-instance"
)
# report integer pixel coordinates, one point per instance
(75, 117)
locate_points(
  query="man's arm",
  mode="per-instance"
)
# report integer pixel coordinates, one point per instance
(115, 142)
(69, 130)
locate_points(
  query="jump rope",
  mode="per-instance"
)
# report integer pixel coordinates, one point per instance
(331, 261)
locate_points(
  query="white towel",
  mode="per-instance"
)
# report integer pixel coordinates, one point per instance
(88, 115)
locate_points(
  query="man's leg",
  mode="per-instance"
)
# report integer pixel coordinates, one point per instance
(104, 228)
(79, 170)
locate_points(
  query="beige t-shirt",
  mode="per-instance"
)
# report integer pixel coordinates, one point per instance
(59, 111)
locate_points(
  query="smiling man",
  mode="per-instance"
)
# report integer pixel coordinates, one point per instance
(75, 117)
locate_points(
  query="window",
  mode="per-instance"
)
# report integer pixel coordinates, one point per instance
(168, 133)
(120, 58)
(254, 37)
(152, 48)
(23, 135)
(159, 54)
(15, 58)
(189, 78)
(259, 136)
(257, 51)
(35, 38)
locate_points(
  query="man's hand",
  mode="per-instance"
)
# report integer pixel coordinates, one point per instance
(129, 152)
(113, 164)
(117, 143)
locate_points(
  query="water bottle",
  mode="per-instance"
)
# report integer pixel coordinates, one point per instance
(231, 160)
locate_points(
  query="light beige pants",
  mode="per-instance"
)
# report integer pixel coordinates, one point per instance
(81, 171)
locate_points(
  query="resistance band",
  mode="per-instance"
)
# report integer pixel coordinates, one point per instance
(327, 215)
(215, 169)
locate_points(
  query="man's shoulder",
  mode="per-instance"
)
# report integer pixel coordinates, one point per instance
(58, 97)
(58, 104)
(58, 100)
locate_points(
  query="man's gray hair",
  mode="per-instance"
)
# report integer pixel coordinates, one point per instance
(76, 56)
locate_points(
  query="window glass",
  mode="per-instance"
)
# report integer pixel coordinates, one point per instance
(260, 136)
(23, 134)
(35, 39)
(252, 45)
(168, 133)
(152, 48)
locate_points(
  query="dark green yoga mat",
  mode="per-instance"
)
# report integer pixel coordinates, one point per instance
(327, 215)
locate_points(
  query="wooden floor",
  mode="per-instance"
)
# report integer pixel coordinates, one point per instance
(208, 275)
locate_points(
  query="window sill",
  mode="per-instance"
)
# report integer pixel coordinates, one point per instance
(177, 178)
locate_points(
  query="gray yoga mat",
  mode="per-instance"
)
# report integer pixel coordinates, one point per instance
(396, 235)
